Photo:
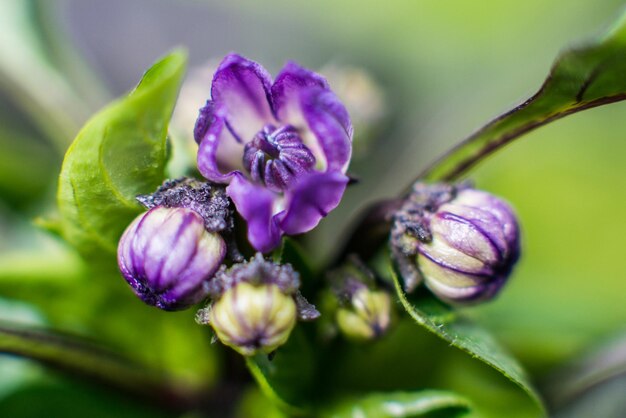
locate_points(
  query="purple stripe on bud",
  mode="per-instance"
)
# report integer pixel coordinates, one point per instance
(475, 244)
(463, 243)
(167, 255)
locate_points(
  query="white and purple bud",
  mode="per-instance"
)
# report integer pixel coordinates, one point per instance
(462, 242)
(255, 305)
(169, 253)
(167, 256)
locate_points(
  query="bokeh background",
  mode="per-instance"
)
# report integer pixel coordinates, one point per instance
(429, 72)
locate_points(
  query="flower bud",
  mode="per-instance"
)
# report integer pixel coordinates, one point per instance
(466, 241)
(364, 309)
(255, 305)
(367, 316)
(252, 318)
(167, 255)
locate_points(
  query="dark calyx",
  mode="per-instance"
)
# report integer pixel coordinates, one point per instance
(209, 200)
(259, 271)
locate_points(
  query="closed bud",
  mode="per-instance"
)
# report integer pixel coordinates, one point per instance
(367, 315)
(253, 318)
(364, 309)
(255, 305)
(167, 256)
(464, 242)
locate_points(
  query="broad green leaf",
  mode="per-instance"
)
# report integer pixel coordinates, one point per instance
(447, 324)
(581, 78)
(400, 405)
(119, 153)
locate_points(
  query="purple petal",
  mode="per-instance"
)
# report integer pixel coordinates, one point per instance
(328, 119)
(256, 205)
(242, 87)
(291, 80)
(219, 154)
(303, 99)
(310, 199)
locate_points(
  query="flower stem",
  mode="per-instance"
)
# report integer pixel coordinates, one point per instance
(80, 357)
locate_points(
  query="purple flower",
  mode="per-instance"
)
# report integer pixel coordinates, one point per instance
(464, 242)
(167, 256)
(283, 147)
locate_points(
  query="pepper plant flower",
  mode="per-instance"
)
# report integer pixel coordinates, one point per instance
(282, 147)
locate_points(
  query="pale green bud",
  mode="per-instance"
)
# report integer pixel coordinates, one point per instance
(253, 318)
(367, 315)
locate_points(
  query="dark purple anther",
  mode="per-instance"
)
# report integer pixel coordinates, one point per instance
(462, 242)
(167, 256)
(283, 147)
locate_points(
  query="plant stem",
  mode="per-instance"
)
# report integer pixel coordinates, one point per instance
(76, 356)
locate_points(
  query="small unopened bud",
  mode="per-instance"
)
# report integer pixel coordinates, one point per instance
(367, 316)
(167, 255)
(255, 305)
(364, 310)
(463, 242)
(252, 318)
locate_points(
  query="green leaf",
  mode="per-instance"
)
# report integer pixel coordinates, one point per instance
(437, 318)
(119, 153)
(400, 405)
(581, 78)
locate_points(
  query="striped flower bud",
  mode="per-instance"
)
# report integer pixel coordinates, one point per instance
(251, 318)
(255, 305)
(167, 256)
(462, 242)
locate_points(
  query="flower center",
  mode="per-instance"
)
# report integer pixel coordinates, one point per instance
(276, 156)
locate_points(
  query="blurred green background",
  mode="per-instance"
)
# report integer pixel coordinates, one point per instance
(443, 68)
